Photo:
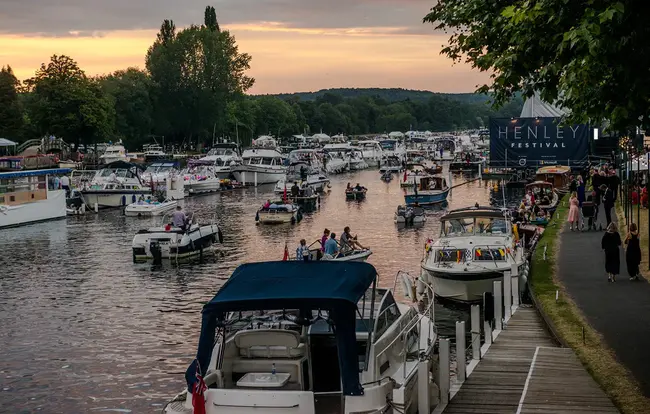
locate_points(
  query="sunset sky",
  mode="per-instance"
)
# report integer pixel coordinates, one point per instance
(296, 45)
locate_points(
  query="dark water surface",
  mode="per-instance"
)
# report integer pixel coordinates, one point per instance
(83, 329)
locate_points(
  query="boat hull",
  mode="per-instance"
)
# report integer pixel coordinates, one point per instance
(466, 287)
(174, 245)
(112, 199)
(200, 187)
(249, 175)
(424, 198)
(278, 218)
(54, 207)
(148, 210)
(411, 220)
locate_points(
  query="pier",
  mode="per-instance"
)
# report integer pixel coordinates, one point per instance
(519, 369)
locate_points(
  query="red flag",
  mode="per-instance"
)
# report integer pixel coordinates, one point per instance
(405, 176)
(198, 399)
(284, 196)
(286, 253)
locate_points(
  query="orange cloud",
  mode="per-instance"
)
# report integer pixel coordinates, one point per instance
(285, 59)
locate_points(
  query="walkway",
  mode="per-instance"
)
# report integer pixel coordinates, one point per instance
(523, 372)
(619, 311)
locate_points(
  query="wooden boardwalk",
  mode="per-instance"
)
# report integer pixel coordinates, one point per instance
(524, 373)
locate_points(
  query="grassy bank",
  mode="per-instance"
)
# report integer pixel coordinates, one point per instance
(568, 323)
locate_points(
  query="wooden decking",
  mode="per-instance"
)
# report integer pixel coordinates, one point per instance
(524, 373)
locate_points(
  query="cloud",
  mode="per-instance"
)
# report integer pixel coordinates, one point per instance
(91, 17)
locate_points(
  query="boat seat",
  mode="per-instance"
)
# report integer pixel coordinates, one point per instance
(269, 343)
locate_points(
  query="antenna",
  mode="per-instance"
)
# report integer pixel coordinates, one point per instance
(503, 191)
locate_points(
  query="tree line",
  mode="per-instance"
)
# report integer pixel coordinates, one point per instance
(193, 90)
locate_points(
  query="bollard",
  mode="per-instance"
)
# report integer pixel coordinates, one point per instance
(488, 332)
(243, 177)
(476, 332)
(507, 295)
(480, 171)
(498, 306)
(424, 405)
(515, 291)
(96, 208)
(461, 358)
(443, 372)
(256, 179)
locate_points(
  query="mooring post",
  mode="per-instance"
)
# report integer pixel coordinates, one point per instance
(515, 286)
(507, 294)
(498, 305)
(488, 332)
(424, 405)
(255, 178)
(443, 372)
(476, 331)
(461, 358)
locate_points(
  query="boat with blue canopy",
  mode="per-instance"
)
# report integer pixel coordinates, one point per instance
(307, 338)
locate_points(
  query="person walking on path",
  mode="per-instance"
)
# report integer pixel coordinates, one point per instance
(608, 202)
(633, 252)
(610, 244)
(574, 211)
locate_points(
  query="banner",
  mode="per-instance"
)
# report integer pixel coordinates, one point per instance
(535, 142)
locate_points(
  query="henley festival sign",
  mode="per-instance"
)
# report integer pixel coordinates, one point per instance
(534, 142)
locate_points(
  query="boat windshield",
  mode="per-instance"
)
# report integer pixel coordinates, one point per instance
(484, 226)
(490, 225)
(120, 173)
(458, 227)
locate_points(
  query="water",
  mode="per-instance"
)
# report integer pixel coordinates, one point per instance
(83, 329)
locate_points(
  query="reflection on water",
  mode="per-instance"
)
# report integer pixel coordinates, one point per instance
(84, 329)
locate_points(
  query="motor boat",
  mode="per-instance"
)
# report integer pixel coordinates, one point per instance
(355, 193)
(445, 149)
(355, 160)
(334, 162)
(468, 162)
(391, 164)
(114, 153)
(429, 190)
(306, 168)
(158, 172)
(116, 185)
(260, 166)
(413, 173)
(200, 177)
(279, 212)
(477, 246)
(558, 175)
(74, 203)
(310, 338)
(387, 177)
(224, 156)
(392, 147)
(147, 207)
(345, 253)
(371, 152)
(410, 215)
(169, 242)
(545, 197)
(153, 152)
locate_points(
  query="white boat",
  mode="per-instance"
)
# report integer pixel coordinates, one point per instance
(117, 185)
(410, 215)
(28, 197)
(260, 166)
(391, 164)
(305, 168)
(158, 172)
(430, 190)
(274, 349)
(392, 147)
(114, 153)
(476, 247)
(149, 207)
(168, 242)
(279, 213)
(445, 149)
(224, 156)
(200, 177)
(371, 151)
(334, 163)
(153, 152)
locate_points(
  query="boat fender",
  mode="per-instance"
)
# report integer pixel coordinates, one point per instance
(407, 286)
(293, 220)
(220, 234)
(257, 216)
(420, 285)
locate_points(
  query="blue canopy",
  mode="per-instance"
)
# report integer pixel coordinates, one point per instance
(328, 285)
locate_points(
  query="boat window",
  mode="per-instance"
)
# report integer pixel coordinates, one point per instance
(490, 253)
(267, 161)
(450, 255)
(485, 225)
(458, 227)
(388, 314)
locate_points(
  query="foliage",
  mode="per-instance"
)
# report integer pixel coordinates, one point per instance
(11, 112)
(588, 56)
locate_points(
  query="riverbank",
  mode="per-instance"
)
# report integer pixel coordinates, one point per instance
(555, 284)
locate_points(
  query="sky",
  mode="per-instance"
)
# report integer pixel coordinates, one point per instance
(296, 45)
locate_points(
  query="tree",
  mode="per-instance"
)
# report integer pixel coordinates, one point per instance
(588, 56)
(167, 32)
(68, 105)
(210, 19)
(11, 112)
(275, 116)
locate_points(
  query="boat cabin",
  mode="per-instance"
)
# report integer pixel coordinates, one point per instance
(224, 150)
(558, 175)
(265, 158)
(429, 183)
(23, 187)
(160, 168)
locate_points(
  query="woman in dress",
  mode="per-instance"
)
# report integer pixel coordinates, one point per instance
(610, 245)
(633, 252)
(574, 210)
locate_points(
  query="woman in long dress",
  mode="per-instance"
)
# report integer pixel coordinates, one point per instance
(633, 252)
(574, 210)
(610, 245)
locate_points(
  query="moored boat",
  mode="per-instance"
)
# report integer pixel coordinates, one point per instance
(200, 177)
(558, 175)
(545, 196)
(410, 215)
(429, 190)
(279, 212)
(148, 207)
(116, 185)
(355, 193)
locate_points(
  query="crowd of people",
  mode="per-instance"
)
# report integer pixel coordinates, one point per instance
(330, 247)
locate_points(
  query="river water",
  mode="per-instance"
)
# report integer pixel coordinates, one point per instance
(83, 329)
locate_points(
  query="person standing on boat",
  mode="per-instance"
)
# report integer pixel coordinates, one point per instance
(610, 245)
(302, 252)
(633, 252)
(65, 184)
(331, 247)
(179, 219)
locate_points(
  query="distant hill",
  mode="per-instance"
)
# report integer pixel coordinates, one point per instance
(389, 94)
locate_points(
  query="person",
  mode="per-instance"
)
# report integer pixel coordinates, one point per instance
(633, 252)
(635, 196)
(179, 219)
(295, 190)
(323, 240)
(347, 241)
(349, 187)
(112, 177)
(574, 211)
(302, 252)
(644, 197)
(581, 190)
(267, 204)
(573, 186)
(614, 183)
(610, 244)
(608, 202)
(358, 187)
(331, 246)
(65, 184)
(432, 185)
(57, 183)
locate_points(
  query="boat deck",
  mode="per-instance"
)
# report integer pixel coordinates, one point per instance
(524, 372)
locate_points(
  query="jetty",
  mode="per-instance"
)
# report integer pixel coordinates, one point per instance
(518, 369)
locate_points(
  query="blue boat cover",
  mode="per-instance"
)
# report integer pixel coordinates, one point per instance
(306, 286)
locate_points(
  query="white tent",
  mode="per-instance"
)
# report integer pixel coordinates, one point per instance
(396, 135)
(321, 137)
(4, 142)
(535, 107)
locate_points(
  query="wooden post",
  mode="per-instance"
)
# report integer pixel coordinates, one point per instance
(424, 405)
(515, 286)
(507, 294)
(476, 332)
(255, 178)
(443, 372)
(461, 358)
(488, 332)
(498, 306)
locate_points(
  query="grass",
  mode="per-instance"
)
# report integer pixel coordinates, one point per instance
(568, 323)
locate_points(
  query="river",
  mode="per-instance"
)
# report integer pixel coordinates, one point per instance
(83, 329)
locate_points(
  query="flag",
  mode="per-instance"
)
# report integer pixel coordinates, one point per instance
(405, 176)
(198, 399)
(458, 256)
(286, 253)
(284, 196)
